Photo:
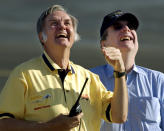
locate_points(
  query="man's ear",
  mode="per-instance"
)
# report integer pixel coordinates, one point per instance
(102, 43)
(42, 37)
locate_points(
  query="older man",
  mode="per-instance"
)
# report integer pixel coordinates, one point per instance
(145, 86)
(40, 93)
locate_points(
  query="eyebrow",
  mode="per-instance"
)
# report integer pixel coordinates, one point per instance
(58, 19)
(51, 20)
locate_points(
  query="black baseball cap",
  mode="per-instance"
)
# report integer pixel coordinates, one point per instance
(111, 18)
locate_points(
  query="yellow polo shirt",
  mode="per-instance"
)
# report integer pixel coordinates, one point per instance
(34, 92)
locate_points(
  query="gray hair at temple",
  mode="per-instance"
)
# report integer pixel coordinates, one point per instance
(41, 19)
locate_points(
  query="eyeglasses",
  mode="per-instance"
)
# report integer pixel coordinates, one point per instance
(118, 26)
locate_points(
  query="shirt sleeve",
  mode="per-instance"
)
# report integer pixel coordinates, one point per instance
(106, 106)
(12, 97)
(105, 98)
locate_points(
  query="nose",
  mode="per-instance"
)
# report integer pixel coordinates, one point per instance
(61, 25)
(125, 28)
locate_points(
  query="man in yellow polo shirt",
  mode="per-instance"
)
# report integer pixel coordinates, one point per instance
(40, 93)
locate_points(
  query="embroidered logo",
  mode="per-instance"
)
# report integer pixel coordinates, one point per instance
(42, 102)
(41, 107)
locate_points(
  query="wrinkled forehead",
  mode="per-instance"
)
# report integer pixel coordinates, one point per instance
(58, 15)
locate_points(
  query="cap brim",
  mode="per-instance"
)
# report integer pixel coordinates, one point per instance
(132, 19)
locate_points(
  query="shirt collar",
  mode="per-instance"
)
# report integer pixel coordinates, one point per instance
(52, 65)
(138, 70)
(135, 68)
(109, 70)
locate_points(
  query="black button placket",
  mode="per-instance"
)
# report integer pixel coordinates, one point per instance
(62, 73)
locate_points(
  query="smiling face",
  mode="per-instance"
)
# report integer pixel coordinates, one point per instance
(121, 35)
(58, 28)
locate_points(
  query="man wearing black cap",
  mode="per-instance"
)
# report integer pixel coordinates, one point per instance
(145, 86)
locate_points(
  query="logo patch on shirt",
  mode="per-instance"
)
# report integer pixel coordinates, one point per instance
(41, 107)
(42, 102)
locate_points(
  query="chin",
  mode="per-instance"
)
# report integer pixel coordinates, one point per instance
(65, 44)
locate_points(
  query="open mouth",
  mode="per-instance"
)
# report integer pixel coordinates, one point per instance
(62, 36)
(125, 38)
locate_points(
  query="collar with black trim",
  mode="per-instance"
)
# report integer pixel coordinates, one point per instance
(52, 65)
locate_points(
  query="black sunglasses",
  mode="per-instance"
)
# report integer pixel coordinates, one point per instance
(119, 26)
